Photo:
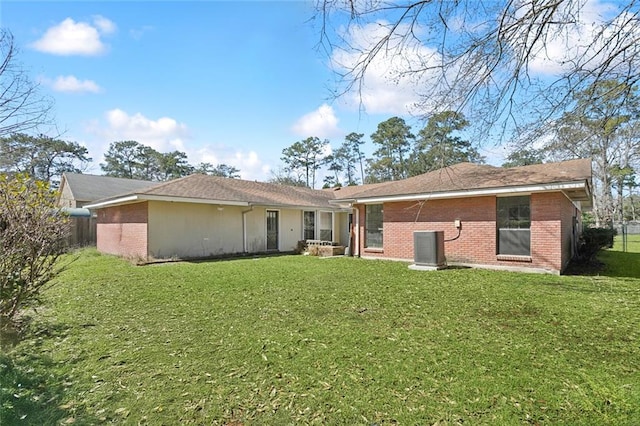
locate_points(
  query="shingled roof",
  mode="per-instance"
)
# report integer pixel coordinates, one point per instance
(466, 177)
(85, 187)
(573, 177)
(213, 189)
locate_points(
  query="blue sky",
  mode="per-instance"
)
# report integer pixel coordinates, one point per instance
(225, 82)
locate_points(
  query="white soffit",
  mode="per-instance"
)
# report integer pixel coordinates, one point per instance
(146, 197)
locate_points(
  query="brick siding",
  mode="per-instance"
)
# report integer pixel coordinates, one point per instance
(122, 230)
(551, 229)
(546, 230)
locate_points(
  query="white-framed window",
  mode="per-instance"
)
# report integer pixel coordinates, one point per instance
(326, 226)
(514, 225)
(373, 225)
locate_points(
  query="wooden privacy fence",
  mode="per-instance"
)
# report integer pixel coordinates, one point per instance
(83, 232)
(83, 227)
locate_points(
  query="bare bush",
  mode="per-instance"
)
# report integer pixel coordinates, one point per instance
(32, 238)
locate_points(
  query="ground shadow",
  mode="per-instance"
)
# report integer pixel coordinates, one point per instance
(221, 258)
(30, 397)
(609, 263)
(33, 390)
(585, 268)
(620, 264)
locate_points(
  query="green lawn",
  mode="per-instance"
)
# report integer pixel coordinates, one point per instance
(299, 339)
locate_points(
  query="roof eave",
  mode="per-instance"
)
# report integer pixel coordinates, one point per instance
(343, 204)
(303, 207)
(497, 191)
(112, 203)
(136, 198)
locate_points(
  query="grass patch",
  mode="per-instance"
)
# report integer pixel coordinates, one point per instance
(622, 264)
(301, 340)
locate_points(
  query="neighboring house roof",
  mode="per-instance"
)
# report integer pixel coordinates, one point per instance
(200, 188)
(461, 180)
(85, 187)
(466, 179)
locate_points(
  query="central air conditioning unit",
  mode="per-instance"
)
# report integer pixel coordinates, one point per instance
(428, 250)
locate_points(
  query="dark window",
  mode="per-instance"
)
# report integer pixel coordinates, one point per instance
(309, 219)
(272, 230)
(514, 225)
(373, 219)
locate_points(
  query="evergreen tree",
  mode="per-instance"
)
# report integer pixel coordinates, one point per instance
(305, 158)
(41, 157)
(437, 146)
(389, 162)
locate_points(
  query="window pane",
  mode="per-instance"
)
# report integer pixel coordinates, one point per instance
(513, 213)
(326, 226)
(514, 222)
(373, 223)
(514, 242)
(272, 230)
(309, 225)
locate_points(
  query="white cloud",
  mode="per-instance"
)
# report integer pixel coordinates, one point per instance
(250, 165)
(71, 84)
(75, 38)
(386, 88)
(579, 44)
(104, 25)
(166, 134)
(399, 72)
(163, 134)
(138, 33)
(322, 123)
(562, 49)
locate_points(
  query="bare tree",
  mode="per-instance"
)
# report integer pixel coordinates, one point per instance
(284, 176)
(505, 64)
(603, 126)
(22, 107)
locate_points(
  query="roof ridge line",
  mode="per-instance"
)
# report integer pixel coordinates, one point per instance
(160, 184)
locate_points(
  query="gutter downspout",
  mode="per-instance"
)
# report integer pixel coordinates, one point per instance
(244, 229)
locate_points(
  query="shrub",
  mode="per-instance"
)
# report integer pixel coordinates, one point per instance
(593, 240)
(301, 247)
(32, 238)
